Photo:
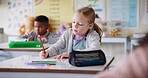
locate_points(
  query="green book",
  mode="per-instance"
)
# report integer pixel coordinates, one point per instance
(25, 44)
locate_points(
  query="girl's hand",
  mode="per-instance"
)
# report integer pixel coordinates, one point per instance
(61, 56)
(42, 55)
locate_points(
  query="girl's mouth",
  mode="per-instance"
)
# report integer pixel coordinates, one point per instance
(75, 30)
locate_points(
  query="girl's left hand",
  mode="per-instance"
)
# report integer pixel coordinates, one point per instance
(61, 56)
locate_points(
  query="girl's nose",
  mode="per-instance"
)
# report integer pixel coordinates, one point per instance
(35, 28)
(76, 25)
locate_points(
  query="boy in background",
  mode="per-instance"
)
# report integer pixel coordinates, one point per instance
(40, 29)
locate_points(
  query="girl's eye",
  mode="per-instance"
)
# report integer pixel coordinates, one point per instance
(73, 22)
(80, 24)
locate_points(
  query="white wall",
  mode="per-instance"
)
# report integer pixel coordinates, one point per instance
(3, 17)
(3, 14)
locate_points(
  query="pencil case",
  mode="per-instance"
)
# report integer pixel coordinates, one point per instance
(87, 58)
(25, 44)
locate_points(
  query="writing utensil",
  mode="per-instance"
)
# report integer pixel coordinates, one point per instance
(34, 64)
(45, 62)
(109, 63)
(42, 45)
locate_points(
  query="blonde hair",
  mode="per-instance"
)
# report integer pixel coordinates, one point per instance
(89, 13)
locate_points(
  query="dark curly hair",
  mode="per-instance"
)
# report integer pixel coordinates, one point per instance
(43, 19)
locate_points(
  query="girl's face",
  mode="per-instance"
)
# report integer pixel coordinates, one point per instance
(80, 24)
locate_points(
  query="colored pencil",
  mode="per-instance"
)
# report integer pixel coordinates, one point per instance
(42, 45)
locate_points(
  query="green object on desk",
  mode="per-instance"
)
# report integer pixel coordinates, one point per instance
(45, 62)
(25, 44)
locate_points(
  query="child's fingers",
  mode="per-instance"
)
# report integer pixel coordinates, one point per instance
(65, 55)
(58, 56)
(30, 38)
(43, 55)
(39, 36)
(61, 56)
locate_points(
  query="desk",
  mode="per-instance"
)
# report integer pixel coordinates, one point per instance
(16, 68)
(134, 42)
(117, 39)
(14, 52)
(4, 46)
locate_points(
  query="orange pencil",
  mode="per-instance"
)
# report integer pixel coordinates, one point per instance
(42, 45)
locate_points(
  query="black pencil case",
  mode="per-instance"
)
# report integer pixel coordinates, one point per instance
(87, 58)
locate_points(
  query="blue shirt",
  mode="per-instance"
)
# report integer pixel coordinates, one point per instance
(79, 44)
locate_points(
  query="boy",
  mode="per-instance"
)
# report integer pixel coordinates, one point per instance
(40, 29)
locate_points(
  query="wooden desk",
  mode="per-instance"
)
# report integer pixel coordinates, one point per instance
(16, 68)
(117, 39)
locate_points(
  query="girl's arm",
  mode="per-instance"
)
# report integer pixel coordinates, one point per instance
(58, 46)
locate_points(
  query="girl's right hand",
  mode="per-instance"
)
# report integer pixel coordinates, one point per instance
(42, 55)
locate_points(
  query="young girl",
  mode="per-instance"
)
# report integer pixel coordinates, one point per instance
(85, 34)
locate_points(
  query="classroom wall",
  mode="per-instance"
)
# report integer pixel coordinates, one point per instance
(3, 18)
(141, 29)
(3, 14)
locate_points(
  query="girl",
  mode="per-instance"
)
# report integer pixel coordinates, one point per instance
(85, 34)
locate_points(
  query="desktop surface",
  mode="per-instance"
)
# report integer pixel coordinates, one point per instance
(19, 64)
(18, 67)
